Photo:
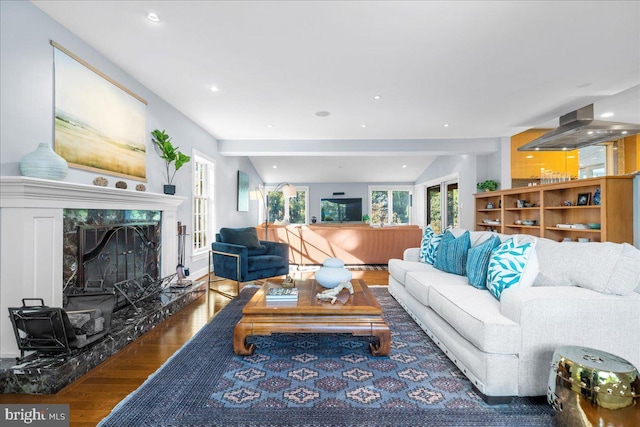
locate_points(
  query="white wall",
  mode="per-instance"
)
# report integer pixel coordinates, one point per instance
(26, 115)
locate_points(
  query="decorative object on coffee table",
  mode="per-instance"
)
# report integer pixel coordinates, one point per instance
(332, 273)
(44, 163)
(589, 387)
(332, 294)
(288, 282)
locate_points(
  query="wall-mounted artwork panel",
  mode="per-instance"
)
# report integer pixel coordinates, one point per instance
(243, 192)
(99, 125)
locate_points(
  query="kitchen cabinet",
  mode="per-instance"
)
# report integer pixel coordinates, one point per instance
(552, 211)
(527, 164)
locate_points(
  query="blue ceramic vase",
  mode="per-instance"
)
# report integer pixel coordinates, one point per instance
(44, 163)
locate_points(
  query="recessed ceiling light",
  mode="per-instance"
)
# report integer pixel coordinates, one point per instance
(322, 113)
(275, 166)
(446, 125)
(269, 126)
(153, 17)
(363, 125)
(607, 114)
(214, 89)
(377, 97)
(404, 166)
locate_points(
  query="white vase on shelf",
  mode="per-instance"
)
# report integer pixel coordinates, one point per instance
(44, 163)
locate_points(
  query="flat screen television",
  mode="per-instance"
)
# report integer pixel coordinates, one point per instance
(341, 210)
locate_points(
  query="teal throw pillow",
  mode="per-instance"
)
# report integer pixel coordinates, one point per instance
(424, 244)
(478, 262)
(432, 249)
(247, 236)
(507, 265)
(452, 253)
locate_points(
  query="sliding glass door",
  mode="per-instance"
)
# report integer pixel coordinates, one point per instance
(442, 206)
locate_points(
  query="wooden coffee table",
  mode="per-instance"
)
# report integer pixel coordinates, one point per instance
(358, 314)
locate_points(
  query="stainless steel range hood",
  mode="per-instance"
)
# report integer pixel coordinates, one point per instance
(579, 129)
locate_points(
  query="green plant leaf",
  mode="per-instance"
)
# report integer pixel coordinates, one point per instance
(168, 152)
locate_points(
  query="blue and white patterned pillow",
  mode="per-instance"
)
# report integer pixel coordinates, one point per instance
(452, 253)
(478, 262)
(426, 237)
(507, 265)
(432, 249)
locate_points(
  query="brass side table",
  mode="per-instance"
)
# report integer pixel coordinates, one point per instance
(589, 387)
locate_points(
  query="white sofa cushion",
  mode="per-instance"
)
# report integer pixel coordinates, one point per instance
(475, 314)
(398, 268)
(609, 268)
(418, 283)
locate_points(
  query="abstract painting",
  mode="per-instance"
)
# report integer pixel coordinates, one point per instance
(243, 192)
(99, 125)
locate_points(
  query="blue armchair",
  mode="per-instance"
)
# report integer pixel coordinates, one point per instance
(239, 250)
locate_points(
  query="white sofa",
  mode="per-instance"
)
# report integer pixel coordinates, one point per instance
(505, 346)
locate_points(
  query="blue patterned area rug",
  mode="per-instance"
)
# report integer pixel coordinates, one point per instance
(315, 380)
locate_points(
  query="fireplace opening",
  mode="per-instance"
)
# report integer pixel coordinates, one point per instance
(119, 258)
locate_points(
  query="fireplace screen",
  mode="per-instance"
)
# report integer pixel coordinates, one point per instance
(113, 254)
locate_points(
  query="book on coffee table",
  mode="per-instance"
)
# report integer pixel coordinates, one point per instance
(282, 294)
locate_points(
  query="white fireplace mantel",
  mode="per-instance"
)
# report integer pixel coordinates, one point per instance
(31, 237)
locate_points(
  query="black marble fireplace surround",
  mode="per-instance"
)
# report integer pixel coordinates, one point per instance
(48, 375)
(117, 245)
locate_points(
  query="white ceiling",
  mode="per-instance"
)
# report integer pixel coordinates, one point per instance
(487, 69)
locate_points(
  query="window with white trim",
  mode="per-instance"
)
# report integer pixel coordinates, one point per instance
(294, 209)
(390, 205)
(203, 202)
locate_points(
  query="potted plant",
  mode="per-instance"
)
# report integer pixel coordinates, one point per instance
(488, 185)
(170, 154)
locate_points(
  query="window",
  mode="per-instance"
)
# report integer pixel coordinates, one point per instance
(390, 206)
(203, 203)
(294, 209)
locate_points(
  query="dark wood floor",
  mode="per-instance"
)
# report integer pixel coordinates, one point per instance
(95, 394)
